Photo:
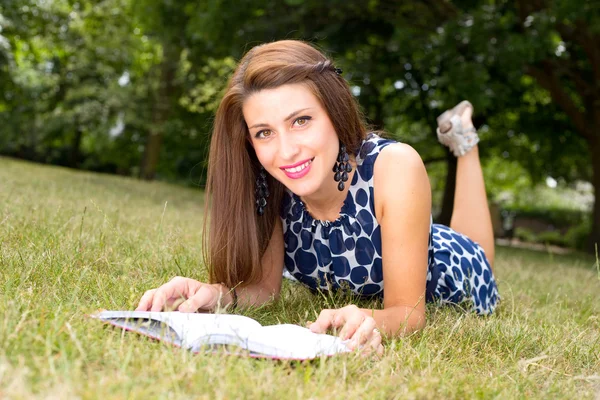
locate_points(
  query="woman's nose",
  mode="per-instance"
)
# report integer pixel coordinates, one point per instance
(288, 148)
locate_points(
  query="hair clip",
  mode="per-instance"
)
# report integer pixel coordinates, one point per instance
(338, 71)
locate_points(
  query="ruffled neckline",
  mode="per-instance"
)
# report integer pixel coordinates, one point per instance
(348, 210)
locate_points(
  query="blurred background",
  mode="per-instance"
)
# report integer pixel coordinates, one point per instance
(130, 87)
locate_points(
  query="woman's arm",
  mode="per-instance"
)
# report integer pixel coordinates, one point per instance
(190, 295)
(272, 266)
(403, 210)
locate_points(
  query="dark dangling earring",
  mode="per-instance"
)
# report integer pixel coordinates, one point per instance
(261, 192)
(342, 168)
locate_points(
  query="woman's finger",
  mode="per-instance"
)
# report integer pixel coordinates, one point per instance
(174, 289)
(375, 340)
(205, 298)
(146, 301)
(351, 322)
(364, 333)
(324, 322)
(374, 346)
(379, 350)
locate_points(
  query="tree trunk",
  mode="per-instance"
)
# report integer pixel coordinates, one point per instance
(151, 153)
(595, 235)
(75, 155)
(162, 110)
(448, 200)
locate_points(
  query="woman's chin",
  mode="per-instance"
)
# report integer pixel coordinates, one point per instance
(301, 189)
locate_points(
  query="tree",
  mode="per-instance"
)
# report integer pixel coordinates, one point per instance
(537, 65)
(418, 59)
(530, 69)
(67, 61)
(569, 69)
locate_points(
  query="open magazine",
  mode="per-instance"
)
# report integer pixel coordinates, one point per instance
(201, 332)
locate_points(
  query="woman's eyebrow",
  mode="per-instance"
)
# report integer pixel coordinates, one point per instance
(292, 115)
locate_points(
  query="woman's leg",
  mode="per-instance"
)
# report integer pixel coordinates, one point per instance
(471, 214)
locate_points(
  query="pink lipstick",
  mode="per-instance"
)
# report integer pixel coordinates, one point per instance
(297, 170)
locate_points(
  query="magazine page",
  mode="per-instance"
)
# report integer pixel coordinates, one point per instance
(188, 330)
(293, 341)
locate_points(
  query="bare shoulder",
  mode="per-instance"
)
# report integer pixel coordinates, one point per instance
(398, 155)
(399, 176)
(398, 160)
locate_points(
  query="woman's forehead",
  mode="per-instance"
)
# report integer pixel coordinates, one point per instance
(278, 103)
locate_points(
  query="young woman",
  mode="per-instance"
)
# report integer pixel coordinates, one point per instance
(296, 183)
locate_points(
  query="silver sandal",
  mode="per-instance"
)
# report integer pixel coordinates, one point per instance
(451, 133)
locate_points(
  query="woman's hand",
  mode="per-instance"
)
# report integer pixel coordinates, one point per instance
(356, 326)
(183, 294)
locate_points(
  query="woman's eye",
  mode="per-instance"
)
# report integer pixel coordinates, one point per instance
(302, 121)
(264, 134)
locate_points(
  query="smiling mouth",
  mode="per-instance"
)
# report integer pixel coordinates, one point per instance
(298, 168)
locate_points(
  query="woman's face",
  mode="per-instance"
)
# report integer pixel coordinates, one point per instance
(293, 137)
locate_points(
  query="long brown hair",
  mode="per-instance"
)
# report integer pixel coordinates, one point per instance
(237, 237)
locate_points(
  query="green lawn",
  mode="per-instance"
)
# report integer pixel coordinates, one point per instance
(74, 242)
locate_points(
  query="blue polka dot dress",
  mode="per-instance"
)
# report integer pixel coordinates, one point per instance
(328, 255)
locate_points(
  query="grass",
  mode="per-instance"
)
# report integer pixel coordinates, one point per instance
(74, 242)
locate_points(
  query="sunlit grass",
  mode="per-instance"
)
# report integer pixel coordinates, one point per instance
(73, 242)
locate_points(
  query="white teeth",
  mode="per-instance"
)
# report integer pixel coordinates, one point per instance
(299, 167)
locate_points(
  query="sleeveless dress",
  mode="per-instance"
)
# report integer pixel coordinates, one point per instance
(346, 253)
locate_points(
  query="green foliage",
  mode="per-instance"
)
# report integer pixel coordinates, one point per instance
(560, 215)
(525, 235)
(505, 179)
(575, 238)
(71, 71)
(551, 237)
(557, 217)
(408, 61)
(578, 235)
(66, 80)
(206, 84)
(563, 207)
